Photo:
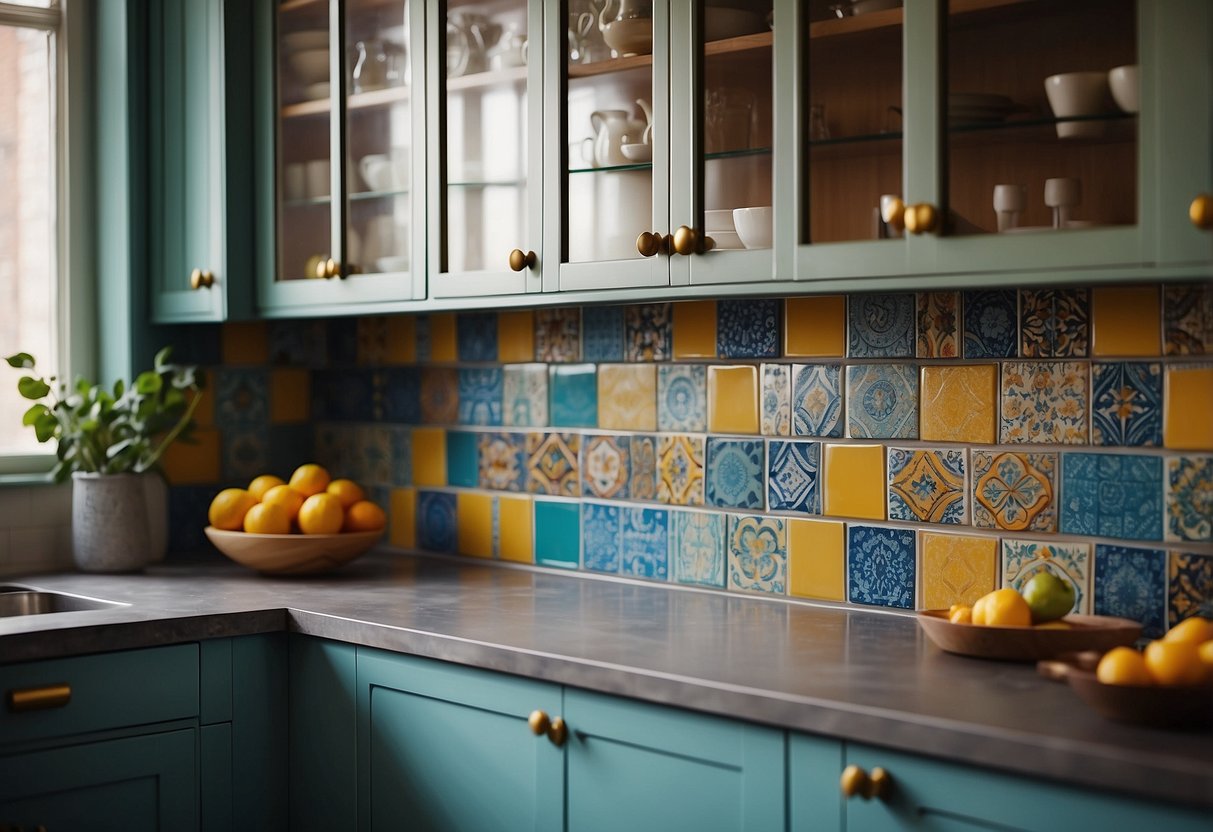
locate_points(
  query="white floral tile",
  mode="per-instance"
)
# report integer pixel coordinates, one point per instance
(525, 395)
(776, 399)
(697, 547)
(1044, 402)
(1021, 559)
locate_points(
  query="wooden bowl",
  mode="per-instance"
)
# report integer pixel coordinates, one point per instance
(1028, 644)
(292, 554)
(1154, 706)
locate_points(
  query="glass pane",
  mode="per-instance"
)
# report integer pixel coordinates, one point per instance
(27, 226)
(378, 136)
(1041, 116)
(485, 163)
(736, 127)
(304, 169)
(609, 64)
(852, 121)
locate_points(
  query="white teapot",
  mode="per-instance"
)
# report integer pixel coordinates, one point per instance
(612, 128)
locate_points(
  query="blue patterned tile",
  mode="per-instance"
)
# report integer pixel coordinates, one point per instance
(436, 523)
(502, 461)
(682, 398)
(1189, 586)
(480, 396)
(242, 399)
(401, 443)
(400, 393)
(525, 395)
(1111, 495)
(880, 326)
(882, 401)
(1190, 498)
(294, 343)
(558, 334)
(1054, 323)
(697, 544)
(602, 333)
(462, 458)
(425, 338)
(374, 455)
(747, 328)
(880, 566)
(244, 454)
(439, 395)
(646, 548)
(1132, 583)
(776, 400)
(642, 480)
(733, 478)
(927, 485)
(341, 340)
(600, 536)
(334, 446)
(991, 324)
(758, 554)
(557, 534)
(648, 332)
(792, 476)
(606, 466)
(817, 400)
(1187, 312)
(573, 396)
(1126, 403)
(476, 336)
(287, 445)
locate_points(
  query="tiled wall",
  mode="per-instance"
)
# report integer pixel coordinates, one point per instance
(896, 450)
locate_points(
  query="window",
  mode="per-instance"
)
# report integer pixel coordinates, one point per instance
(34, 291)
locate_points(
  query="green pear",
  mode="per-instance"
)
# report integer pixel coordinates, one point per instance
(1048, 596)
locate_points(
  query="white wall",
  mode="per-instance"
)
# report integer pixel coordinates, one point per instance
(35, 528)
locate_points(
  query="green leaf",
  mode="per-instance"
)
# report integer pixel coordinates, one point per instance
(32, 388)
(119, 388)
(148, 383)
(44, 426)
(61, 471)
(162, 357)
(34, 412)
(117, 448)
(21, 361)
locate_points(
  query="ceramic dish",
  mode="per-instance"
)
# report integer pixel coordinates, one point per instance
(1028, 644)
(637, 152)
(754, 225)
(292, 554)
(726, 240)
(393, 264)
(316, 92)
(718, 220)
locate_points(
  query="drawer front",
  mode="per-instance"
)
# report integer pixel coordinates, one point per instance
(108, 690)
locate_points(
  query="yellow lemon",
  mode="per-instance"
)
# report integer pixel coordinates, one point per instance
(262, 484)
(267, 518)
(310, 479)
(364, 516)
(960, 614)
(1002, 608)
(1175, 663)
(321, 514)
(347, 491)
(229, 507)
(287, 497)
(1123, 666)
(1194, 630)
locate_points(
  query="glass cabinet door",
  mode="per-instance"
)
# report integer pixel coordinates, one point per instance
(484, 213)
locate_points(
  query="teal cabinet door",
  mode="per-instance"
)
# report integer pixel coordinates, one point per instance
(124, 785)
(323, 736)
(642, 767)
(448, 748)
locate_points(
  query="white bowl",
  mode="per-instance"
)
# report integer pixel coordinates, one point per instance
(1126, 87)
(726, 240)
(720, 220)
(1078, 94)
(754, 225)
(637, 152)
(393, 264)
(722, 23)
(308, 39)
(311, 66)
(318, 92)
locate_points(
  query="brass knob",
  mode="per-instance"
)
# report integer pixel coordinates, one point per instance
(558, 732)
(856, 781)
(520, 259)
(686, 240)
(708, 243)
(539, 723)
(200, 279)
(649, 243)
(893, 212)
(1201, 212)
(921, 218)
(331, 268)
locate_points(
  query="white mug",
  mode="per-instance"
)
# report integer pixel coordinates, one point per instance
(294, 181)
(1009, 202)
(318, 175)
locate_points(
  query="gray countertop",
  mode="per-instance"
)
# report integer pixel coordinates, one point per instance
(867, 677)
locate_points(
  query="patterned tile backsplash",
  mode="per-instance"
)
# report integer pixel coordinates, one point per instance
(904, 450)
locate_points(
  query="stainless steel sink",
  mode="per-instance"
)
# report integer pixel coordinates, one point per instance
(24, 600)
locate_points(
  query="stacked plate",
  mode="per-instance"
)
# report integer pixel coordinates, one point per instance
(719, 226)
(978, 108)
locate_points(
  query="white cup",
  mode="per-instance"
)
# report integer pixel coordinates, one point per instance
(294, 181)
(1078, 94)
(1125, 82)
(1062, 194)
(1009, 202)
(318, 175)
(376, 171)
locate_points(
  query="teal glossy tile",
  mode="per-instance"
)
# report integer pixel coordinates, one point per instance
(462, 459)
(574, 396)
(557, 534)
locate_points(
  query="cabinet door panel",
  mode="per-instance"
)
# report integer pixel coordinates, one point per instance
(638, 767)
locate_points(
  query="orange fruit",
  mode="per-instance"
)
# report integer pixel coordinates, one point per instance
(310, 479)
(364, 516)
(321, 514)
(267, 518)
(1175, 663)
(1123, 666)
(347, 491)
(1002, 608)
(262, 484)
(1194, 630)
(1206, 654)
(285, 496)
(229, 507)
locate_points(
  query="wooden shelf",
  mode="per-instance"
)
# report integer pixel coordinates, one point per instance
(483, 80)
(895, 17)
(741, 43)
(358, 101)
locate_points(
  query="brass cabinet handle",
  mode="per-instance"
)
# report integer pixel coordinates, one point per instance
(922, 218)
(328, 269)
(558, 732)
(649, 243)
(856, 781)
(201, 279)
(708, 243)
(686, 240)
(520, 259)
(39, 699)
(1201, 212)
(894, 213)
(539, 722)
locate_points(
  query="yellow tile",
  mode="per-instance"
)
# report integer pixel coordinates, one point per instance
(515, 535)
(516, 337)
(442, 337)
(429, 456)
(290, 395)
(855, 481)
(733, 399)
(815, 326)
(627, 396)
(1188, 408)
(196, 463)
(958, 403)
(695, 329)
(956, 569)
(817, 558)
(204, 415)
(474, 520)
(1124, 321)
(245, 343)
(401, 340)
(404, 518)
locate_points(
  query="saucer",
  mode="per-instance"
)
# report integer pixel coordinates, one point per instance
(637, 152)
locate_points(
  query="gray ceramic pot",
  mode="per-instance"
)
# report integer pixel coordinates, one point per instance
(119, 521)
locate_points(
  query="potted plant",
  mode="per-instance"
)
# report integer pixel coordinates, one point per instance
(109, 441)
